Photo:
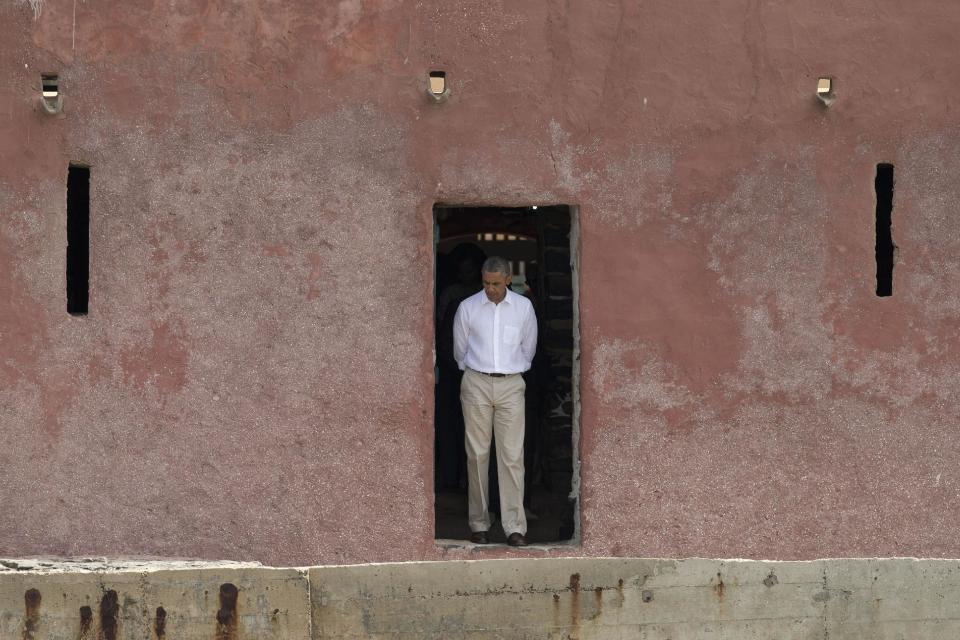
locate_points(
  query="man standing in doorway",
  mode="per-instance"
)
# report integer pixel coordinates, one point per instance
(494, 340)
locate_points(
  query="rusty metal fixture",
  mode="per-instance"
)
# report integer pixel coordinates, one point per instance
(826, 92)
(50, 97)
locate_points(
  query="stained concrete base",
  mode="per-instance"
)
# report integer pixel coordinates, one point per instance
(518, 598)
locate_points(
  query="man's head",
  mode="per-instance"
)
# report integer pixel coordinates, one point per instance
(496, 278)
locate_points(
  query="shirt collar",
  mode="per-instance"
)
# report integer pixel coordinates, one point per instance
(507, 298)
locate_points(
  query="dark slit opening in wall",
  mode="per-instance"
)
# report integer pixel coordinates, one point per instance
(537, 242)
(78, 239)
(884, 247)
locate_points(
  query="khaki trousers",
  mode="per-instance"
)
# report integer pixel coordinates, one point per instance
(494, 406)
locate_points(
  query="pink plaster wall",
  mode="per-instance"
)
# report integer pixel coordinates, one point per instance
(254, 380)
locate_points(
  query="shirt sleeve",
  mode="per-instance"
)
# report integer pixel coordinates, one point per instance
(528, 344)
(460, 335)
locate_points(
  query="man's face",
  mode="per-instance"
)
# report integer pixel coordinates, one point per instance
(495, 286)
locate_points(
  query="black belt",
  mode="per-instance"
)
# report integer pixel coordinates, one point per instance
(495, 375)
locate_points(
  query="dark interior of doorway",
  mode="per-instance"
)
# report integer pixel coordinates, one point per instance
(537, 242)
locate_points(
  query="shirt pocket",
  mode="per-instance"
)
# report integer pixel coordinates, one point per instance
(511, 335)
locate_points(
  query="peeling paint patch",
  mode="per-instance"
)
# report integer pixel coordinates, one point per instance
(162, 363)
(763, 249)
(631, 374)
(925, 217)
(22, 324)
(564, 157)
(639, 188)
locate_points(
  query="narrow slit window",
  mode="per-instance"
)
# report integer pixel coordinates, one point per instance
(884, 247)
(78, 239)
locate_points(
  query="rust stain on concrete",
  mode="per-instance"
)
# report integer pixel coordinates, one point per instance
(109, 610)
(31, 617)
(719, 587)
(227, 614)
(86, 620)
(160, 623)
(575, 599)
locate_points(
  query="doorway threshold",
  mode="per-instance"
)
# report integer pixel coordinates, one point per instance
(448, 544)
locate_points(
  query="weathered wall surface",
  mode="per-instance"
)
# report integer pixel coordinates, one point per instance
(218, 602)
(561, 598)
(254, 379)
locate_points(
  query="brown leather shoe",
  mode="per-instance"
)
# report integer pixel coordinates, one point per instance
(516, 540)
(478, 537)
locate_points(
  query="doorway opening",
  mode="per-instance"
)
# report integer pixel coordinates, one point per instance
(539, 242)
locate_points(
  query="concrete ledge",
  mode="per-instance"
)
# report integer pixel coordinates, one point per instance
(219, 601)
(518, 598)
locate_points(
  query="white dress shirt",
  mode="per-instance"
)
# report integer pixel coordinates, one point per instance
(495, 338)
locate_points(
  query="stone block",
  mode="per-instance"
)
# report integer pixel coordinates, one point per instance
(519, 597)
(186, 604)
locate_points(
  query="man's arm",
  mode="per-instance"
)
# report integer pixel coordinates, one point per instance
(528, 343)
(460, 335)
